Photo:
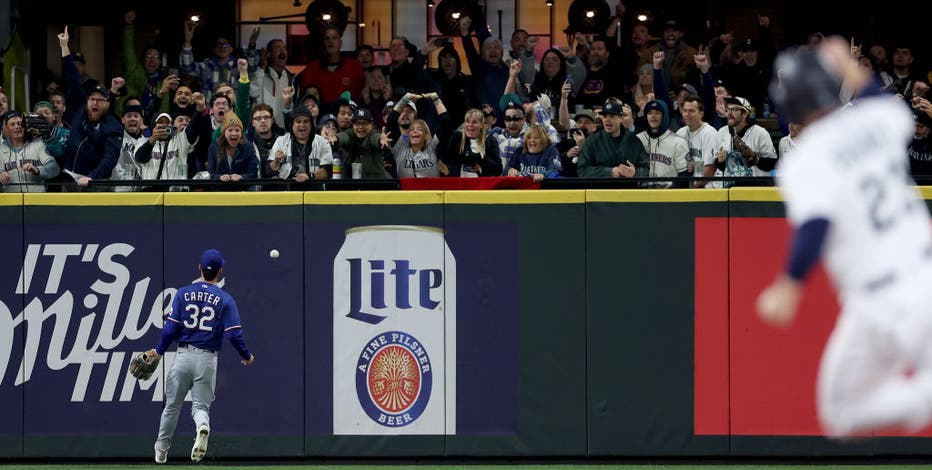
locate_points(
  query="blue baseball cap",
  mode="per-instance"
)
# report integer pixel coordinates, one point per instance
(326, 118)
(211, 261)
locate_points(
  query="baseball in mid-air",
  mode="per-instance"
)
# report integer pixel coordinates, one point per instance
(273, 254)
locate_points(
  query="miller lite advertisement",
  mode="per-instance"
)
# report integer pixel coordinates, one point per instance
(394, 313)
(412, 329)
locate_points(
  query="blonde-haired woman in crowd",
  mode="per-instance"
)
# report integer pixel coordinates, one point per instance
(471, 152)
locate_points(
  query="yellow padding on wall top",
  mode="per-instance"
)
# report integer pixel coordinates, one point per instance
(516, 197)
(756, 194)
(362, 198)
(253, 198)
(656, 195)
(925, 191)
(11, 199)
(93, 199)
(248, 198)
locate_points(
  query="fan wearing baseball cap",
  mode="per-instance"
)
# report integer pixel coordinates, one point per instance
(612, 152)
(93, 147)
(363, 144)
(745, 148)
(678, 57)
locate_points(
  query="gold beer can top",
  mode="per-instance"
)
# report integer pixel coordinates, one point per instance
(386, 228)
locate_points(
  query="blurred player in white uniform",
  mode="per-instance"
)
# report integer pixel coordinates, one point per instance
(851, 200)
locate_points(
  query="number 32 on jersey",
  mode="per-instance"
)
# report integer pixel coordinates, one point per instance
(199, 317)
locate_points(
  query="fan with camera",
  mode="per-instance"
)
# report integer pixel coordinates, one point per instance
(322, 14)
(448, 14)
(36, 126)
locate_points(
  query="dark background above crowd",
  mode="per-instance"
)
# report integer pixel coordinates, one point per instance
(792, 21)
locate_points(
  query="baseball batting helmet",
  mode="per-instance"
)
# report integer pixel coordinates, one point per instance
(803, 84)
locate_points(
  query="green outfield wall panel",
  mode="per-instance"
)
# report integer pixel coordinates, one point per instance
(640, 290)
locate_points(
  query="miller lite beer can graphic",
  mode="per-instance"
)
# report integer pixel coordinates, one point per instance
(394, 332)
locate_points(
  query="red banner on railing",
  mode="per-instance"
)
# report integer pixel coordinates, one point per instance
(495, 182)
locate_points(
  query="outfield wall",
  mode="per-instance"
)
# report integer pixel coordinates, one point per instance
(420, 323)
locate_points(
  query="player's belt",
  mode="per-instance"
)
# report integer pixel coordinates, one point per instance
(887, 279)
(880, 282)
(194, 348)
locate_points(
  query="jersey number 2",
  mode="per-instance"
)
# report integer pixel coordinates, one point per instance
(194, 322)
(884, 198)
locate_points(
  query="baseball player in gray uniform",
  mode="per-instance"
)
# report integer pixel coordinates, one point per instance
(851, 200)
(201, 315)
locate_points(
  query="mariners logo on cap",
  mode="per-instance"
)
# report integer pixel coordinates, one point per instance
(612, 107)
(393, 379)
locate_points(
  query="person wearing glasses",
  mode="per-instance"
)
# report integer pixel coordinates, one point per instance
(93, 147)
(262, 135)
(510, 138)
(744, 148)
(143, 76)
(221, 67)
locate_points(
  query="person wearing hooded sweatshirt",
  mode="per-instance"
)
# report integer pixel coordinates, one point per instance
(164, 155)
(666, 151)
(301, 154)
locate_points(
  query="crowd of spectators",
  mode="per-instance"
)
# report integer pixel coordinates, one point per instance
(624, 104)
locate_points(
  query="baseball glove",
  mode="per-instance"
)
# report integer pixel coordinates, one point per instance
(143, 365)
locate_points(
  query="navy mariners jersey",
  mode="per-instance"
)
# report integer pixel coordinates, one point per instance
(204, 312)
